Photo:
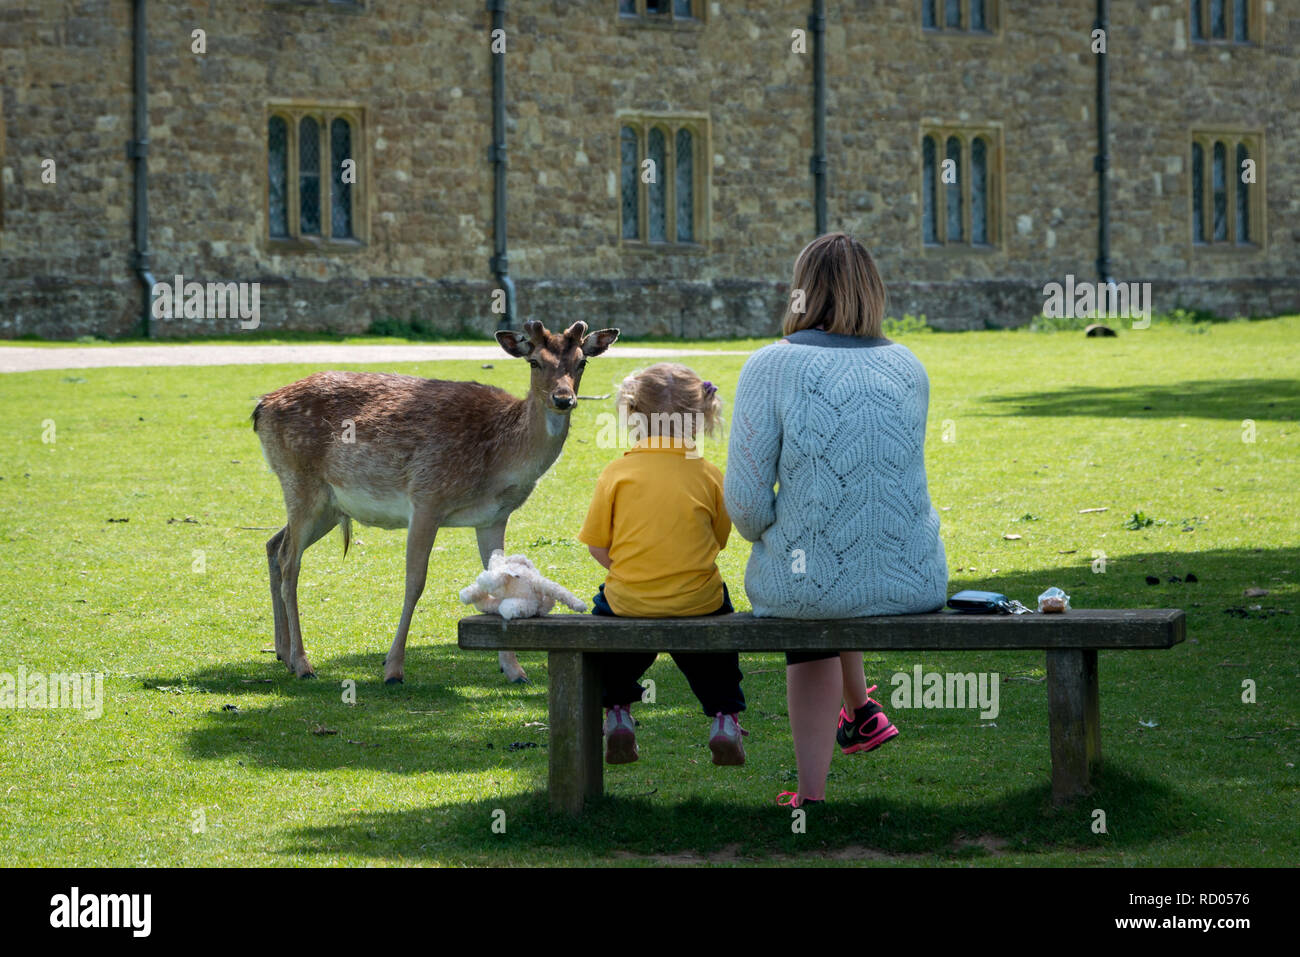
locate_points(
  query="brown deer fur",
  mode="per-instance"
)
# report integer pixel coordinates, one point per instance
(398, 451)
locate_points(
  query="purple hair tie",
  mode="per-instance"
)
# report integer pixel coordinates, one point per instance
(709, 389)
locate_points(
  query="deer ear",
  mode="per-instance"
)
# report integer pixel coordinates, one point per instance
(598, 342)
(514, 343)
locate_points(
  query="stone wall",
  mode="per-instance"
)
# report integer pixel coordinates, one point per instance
(423, 80)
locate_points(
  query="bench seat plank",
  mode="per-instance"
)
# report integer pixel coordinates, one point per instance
(936, 631)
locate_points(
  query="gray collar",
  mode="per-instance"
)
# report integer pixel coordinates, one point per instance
(833, 340)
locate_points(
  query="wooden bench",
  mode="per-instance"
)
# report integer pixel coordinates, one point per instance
(1071, 641)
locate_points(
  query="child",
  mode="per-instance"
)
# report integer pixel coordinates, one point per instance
(657, 523)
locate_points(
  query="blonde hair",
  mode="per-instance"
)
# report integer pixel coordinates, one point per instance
(668, 393)
(836, 286)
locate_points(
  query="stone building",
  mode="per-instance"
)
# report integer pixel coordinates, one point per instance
(337, 154)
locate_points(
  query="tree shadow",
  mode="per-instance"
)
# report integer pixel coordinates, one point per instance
(1259, 399)
(409, 728)
(698, 830)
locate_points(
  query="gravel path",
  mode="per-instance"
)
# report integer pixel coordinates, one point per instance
(27, 359)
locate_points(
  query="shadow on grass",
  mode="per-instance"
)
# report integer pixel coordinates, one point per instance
(1260, 399)
(422, 725)
(887, 828)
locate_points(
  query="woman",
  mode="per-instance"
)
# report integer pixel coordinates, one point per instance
(835, 414)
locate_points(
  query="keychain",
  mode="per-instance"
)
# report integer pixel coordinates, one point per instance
(1013, 607)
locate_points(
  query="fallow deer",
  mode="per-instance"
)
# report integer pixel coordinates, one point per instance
(397, 451)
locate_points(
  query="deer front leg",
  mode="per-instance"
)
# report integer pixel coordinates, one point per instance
(489, 540)
(419, 542)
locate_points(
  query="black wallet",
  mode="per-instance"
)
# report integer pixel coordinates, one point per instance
(980, 602)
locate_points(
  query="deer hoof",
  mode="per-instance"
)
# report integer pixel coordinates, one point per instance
(396, 680)
(521, 680)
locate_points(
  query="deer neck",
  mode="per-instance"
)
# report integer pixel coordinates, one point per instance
(544, 432)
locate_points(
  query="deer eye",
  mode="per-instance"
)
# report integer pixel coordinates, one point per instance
(534, 363)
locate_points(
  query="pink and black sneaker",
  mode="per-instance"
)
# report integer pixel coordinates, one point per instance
(868, 730)
(620, 736)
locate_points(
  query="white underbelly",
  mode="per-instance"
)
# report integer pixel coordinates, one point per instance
(382, 511)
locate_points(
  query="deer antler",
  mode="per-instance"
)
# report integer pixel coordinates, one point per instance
(577, 331)
(536, 332)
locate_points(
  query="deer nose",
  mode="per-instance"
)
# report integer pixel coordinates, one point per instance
(564, 401)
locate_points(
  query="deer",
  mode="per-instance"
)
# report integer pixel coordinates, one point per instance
(398, 451)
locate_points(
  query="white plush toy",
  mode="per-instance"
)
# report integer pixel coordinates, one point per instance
(512, 587)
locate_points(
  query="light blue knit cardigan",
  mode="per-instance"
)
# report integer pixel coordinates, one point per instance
(839, 423)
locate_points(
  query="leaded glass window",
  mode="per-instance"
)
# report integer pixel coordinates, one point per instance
(340, 188)
(277, 175)
(953, 199)
(685, 179)
(682, 9)
(627, 7)
(977, 20)
(1243, 196)
(959, 170)
(927, 14)
(309, 176)
(1218, 21)
(1220, 192)
(631, 194)
(979, 200)
(952, 14)
(657, 154)
(930, 199)
(1241, 21)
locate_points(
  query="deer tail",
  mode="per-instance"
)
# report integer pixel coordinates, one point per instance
(345, 526)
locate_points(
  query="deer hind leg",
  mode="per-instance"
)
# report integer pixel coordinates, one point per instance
(309, 520)
(419, 542)
(277, 600)
(489, 540)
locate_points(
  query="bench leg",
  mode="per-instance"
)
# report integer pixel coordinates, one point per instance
(576, 767)
(1074, 713)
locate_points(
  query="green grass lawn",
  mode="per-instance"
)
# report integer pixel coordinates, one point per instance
(133, 546)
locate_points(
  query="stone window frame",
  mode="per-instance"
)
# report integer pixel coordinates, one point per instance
(701, 141)
(668, 19)
(1254, 24)
(995, 212)
(992, 20)
(324, 112)
(1253, 140)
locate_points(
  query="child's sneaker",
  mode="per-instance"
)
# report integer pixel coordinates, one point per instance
(620, 736)
(868, 730)
(725, 741)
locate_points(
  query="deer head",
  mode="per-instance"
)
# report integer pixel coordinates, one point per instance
(557, 359)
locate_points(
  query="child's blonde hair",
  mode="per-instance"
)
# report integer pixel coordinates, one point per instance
(671, 401)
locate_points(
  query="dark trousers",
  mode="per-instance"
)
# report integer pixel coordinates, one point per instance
(714, 676)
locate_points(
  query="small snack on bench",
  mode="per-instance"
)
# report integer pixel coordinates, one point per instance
(1053, 600)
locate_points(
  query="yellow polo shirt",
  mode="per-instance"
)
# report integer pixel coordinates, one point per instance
(660, 514)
